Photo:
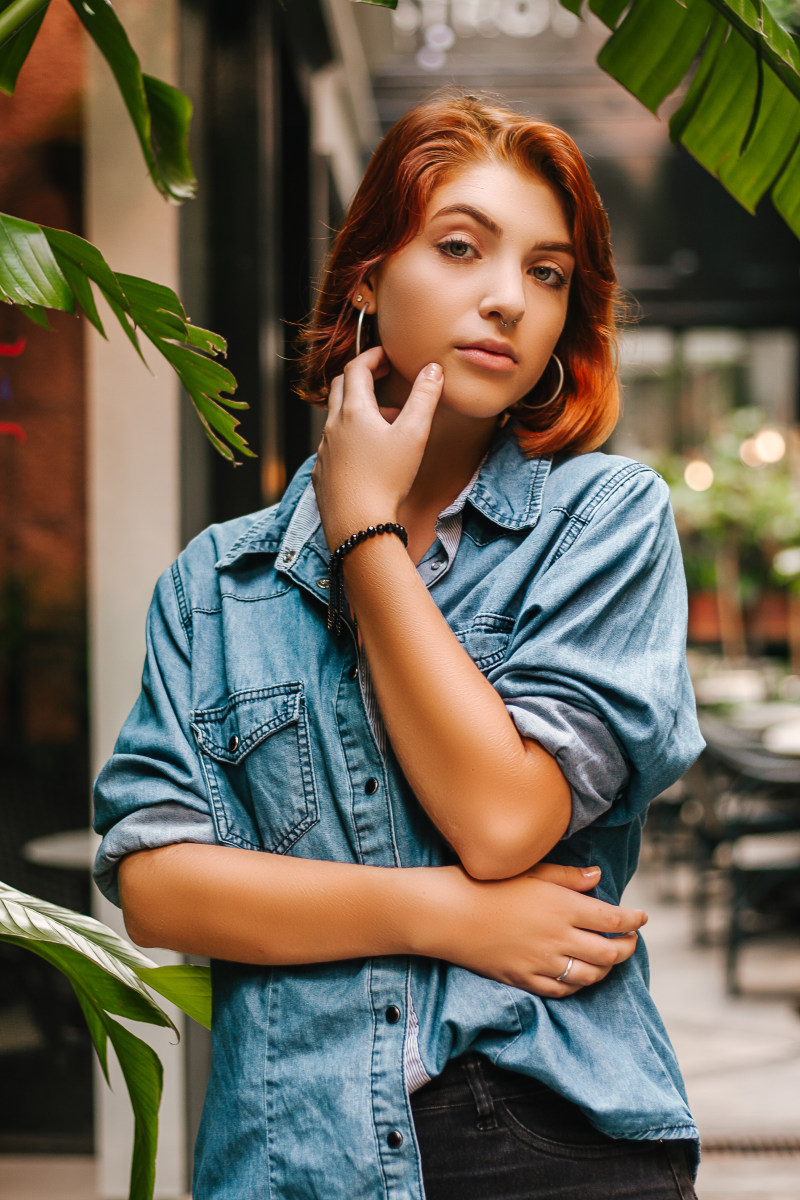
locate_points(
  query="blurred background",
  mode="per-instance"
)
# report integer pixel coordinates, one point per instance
(105, 474)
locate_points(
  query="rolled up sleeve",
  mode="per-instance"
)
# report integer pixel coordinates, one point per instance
(151, 792)
(596, 665)
(590, 759)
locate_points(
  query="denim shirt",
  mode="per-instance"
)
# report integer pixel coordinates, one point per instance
(566, 588)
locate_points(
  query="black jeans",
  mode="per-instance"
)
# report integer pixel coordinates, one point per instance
(489, 1134)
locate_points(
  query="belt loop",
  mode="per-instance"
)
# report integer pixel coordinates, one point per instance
(484, 1105)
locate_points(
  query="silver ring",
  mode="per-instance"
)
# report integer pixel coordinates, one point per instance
(562, 978)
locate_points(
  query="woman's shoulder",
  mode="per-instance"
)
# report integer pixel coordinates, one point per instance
(220, 545)
(585, 484)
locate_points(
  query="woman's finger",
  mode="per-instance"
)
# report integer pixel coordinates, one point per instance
(580, 975)
(610, 918)
(335, 396)
(577, 879)
(359, 377)
(420, 406)
(601, 951)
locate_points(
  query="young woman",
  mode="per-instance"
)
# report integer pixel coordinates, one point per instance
(454, 651)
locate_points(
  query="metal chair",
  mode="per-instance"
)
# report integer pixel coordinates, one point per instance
(745, 809)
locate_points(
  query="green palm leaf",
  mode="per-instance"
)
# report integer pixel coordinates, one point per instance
(160, 113)
(740, 117)
(109, 975)
(43, 268)
(25, 19)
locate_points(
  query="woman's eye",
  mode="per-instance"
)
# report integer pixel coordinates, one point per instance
(456, 248)
(550, 276)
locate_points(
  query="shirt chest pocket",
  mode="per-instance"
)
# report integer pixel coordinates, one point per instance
(485, 639)
(256, 758)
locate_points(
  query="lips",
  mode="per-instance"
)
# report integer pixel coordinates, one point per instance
(492, 346)
(489, 355)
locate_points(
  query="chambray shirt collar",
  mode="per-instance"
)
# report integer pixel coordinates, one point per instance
(507, 489)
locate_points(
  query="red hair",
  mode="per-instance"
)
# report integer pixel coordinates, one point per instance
(426, 147)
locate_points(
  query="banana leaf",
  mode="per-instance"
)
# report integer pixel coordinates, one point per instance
(740, 115)
(43, 268)
(111, 978)
(160, 113)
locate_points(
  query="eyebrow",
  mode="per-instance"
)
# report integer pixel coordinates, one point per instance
(486, 221)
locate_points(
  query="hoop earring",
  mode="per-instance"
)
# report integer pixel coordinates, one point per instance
(555, 395)
(362, 312)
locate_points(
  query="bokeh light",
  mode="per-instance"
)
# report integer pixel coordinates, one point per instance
(770, 445)
(698, 475)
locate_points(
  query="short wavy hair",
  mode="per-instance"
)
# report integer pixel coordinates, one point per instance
(429, 145)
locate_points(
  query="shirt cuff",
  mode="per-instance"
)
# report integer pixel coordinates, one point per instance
(151, 827)
(584, 749)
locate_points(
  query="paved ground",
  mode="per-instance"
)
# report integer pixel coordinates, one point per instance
(740, 1057)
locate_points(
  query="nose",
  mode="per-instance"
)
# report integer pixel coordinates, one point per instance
(504, 295)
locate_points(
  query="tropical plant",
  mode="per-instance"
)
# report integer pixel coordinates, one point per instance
(740, 117)
(740, 114)
(42, 268)
(111, 978)
(737, 519)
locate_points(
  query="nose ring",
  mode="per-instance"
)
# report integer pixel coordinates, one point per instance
(505, 323)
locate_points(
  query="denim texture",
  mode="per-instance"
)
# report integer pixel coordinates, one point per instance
(489, 1134)
(567, 590)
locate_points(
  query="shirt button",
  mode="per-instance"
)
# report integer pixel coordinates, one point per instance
(395, 1139)
(393, 1014)
(233, 743)
(436, 564)
(324, 583)
(353, 672)
(289, 556)
(371, 787)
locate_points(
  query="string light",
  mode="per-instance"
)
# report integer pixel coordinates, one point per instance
(439, 23)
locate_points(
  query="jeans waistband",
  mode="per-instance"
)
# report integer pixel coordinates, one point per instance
(473, 1079)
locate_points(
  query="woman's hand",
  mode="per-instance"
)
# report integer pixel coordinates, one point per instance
(366, 463)
(523, 931)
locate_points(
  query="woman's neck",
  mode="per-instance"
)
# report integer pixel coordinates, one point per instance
(453, 453)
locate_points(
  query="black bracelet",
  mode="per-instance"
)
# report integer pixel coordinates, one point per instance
(336, 585)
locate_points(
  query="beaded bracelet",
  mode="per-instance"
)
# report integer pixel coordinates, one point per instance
(336, 588)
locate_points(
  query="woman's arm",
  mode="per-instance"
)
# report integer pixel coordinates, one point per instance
(253, 907)
(501, 801)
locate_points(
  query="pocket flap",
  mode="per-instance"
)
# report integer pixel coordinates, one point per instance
(486, 638)
(229, 733)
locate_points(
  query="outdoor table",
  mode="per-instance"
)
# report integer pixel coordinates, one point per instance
(73, 850)
(783, 737)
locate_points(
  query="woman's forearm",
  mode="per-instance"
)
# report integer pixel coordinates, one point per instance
(500, 800)
(248, 906)
(275, 910)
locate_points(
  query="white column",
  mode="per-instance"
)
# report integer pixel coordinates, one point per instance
(133, 507)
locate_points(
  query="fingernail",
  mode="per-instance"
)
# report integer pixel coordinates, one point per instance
(590, 871)
(432, 371)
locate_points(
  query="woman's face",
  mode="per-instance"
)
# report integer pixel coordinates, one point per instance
(481, 289)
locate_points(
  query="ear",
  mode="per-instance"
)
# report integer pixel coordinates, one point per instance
(364, 296)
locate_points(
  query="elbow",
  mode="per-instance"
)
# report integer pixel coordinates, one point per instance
(137, 932)
(508, 847)
(498, 854)
(137, 900)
